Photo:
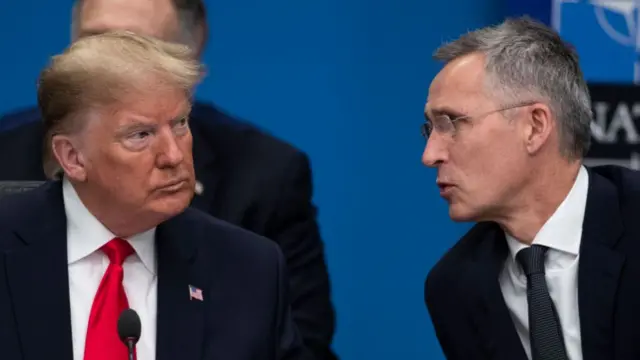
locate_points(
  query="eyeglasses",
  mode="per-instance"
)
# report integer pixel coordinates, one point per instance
(446, 125)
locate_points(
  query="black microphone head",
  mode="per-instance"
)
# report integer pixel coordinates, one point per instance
(129, 326)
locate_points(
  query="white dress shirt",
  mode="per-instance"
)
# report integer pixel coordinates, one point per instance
(561, 234)
(87, 265)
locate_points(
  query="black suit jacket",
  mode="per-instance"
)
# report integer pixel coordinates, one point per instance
(244, 313)
(250, 179)
(468, 311)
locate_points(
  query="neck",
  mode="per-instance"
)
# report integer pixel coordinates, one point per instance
(120, 223)
(545, 190)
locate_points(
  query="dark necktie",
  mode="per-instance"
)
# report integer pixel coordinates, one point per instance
(545, 332)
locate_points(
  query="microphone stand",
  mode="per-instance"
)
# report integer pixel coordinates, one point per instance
(131, 347)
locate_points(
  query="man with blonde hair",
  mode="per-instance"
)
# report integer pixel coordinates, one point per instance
(244, 175)
(115, 231)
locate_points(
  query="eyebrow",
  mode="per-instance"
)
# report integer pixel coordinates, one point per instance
(134, 126)
(180, 118)
(91, 32)
(444, 110)
(184, 114)
(137, 124)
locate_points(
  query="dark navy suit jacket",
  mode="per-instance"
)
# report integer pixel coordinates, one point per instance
(250, 179)
(244, 314)
(468, 311)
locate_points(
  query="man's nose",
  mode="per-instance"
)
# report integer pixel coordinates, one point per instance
(169, 152)
(435, 151)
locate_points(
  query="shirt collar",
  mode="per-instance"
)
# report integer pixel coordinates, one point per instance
(86, 234)
(563, 230)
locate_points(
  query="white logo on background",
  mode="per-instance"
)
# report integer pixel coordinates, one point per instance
(628, 9)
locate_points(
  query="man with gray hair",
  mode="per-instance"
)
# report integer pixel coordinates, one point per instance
(550, 270)
(244, 175)
(116, 232)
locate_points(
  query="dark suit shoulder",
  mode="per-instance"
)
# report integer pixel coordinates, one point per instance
(625, 180)
(450, 268)
(448, 292)
(241, 142)
(19, 137)
(19, 117)
(23, 205)
(25, 210)
(21, 144)
(217, 237)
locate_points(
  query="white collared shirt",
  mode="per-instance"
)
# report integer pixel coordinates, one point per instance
(561, 234)
(87, 265)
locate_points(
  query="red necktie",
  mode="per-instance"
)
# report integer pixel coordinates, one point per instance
(102, 341)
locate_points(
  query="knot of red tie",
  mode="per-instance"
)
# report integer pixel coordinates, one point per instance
(117, 250)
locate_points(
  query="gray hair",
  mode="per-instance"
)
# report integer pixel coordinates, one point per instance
(189, 14)
(525, 60)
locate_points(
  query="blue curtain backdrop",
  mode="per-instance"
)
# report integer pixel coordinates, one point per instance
(346, 81)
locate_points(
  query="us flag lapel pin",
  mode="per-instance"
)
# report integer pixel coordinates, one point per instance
(195, 293)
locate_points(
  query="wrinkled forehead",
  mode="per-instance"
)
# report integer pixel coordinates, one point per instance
(156, 18)
(459, 87)
(153, 108)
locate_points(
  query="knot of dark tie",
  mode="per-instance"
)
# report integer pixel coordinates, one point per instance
(532, 259)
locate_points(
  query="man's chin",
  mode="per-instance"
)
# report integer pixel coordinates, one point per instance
(459, 213)
(173, 204)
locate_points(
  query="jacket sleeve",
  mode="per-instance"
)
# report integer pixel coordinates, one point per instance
(289, 344)
(446, 310)
(294, 227)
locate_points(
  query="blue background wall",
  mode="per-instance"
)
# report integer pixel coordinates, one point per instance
(346, 81)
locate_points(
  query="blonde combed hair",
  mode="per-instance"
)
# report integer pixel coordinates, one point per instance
(104, 70)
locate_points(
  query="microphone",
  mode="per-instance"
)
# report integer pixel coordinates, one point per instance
(129, 329)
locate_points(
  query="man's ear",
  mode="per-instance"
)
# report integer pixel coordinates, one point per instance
(66, 150)
(539, 125)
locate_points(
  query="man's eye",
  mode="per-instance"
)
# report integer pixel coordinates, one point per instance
(183, 122)
(140, 135)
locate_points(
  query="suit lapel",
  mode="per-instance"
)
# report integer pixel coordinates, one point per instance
(599, 268)
(38, 279)
(180, 322)
(495, 329)
(204, 162)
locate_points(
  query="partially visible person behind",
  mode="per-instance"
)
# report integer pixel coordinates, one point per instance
(244, 176)
(550, 270)
(114, 230)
